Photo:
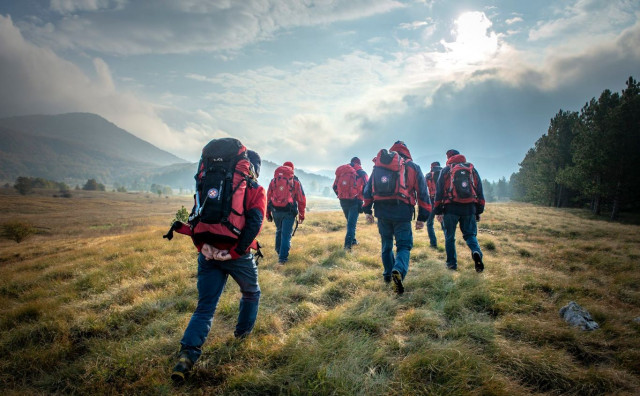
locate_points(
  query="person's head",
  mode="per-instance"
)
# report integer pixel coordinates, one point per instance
(451, 153)
(289, 164)
(255, 160)
(354, 161)
(435, 164)
(401, 148)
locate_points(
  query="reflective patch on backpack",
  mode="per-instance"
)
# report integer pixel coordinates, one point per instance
(212, 193)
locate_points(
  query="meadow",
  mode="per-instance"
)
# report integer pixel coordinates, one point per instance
(96, 302)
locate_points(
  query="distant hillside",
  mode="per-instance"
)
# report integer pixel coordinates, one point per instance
(74, 146)
(181, 176)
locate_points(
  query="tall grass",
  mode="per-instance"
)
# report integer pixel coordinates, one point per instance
(100, 307)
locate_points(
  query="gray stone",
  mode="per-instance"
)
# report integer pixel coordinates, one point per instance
(577, 316)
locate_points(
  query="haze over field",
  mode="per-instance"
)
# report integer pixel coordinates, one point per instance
(319, 82)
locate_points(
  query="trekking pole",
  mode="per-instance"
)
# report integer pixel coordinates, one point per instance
(296, 227)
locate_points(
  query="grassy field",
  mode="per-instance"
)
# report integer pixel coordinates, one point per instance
(97, 301)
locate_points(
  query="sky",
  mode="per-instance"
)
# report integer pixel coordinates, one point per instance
(317, 82)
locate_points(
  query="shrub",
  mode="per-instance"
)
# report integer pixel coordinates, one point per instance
(93, 185)
(17, 230)
(23, 185)
(181, 215)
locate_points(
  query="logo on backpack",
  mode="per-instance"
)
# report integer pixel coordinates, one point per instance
(346, 182)
(461, 184)
(221, 183)
(390, 178)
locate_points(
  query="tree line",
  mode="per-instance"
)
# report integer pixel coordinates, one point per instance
(589, 158)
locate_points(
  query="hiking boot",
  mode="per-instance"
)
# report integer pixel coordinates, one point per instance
(355, 242)
(398, 287)
(281, 262)
(387, 279)
(477, 259)
(452, 267)
(182, 369)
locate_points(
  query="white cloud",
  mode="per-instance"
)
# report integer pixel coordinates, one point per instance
(70, 6)
(180, 27)
(598, 19)
(35, 80)
(513, 20)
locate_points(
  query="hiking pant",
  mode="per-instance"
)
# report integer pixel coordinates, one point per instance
(401, 230)
(351, 210)
(433, 241)
(284, 222)
(212, 277)
(469, 230)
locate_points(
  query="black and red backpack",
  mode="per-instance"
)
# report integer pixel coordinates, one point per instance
(222, 179)
(462, 184)
(390, 178)
(346, 182)
(282, 187)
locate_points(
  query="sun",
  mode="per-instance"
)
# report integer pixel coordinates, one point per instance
(474, 42)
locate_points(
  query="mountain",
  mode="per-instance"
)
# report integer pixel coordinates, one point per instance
(74, 147)
(181, 176)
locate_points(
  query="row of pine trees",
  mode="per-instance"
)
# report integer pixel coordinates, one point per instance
(589, 158)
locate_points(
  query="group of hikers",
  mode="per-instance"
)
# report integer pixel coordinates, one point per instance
(230, 207)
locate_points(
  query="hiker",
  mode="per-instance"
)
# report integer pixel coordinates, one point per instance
(348, 186)
(286, 206)
(395, 185)
(431, 178)
(224, 247)
(459, 199)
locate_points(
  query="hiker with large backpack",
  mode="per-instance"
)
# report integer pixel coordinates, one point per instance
(459, 199)
(348, 186)
(431, 178)
(227, 216)
(395, 186)
(286, 207)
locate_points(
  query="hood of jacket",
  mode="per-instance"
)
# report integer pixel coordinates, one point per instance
(457, 159)
(402, 150)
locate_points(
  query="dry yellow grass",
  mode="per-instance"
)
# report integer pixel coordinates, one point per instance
(98, 303)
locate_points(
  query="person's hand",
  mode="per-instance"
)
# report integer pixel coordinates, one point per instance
(370, 219)
(208, 251)
(477, 217)
(222, 255)
(269, 218)
(419, 225)
(440, 218)
(300, 220)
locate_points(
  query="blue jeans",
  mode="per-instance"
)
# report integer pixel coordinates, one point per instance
(284, 222)
(401, 230)
(433, 241)
(351, 210)
(212, 277)
(469, 230)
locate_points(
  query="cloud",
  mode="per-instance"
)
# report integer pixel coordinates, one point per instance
(35, 80)
(598, 19)
(70, 6)
(513, 20)
(181, 27)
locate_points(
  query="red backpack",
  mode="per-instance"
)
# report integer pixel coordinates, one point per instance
(432, 179)
(462, 186)
(346, 182)
(390, 178)
(282, 186)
